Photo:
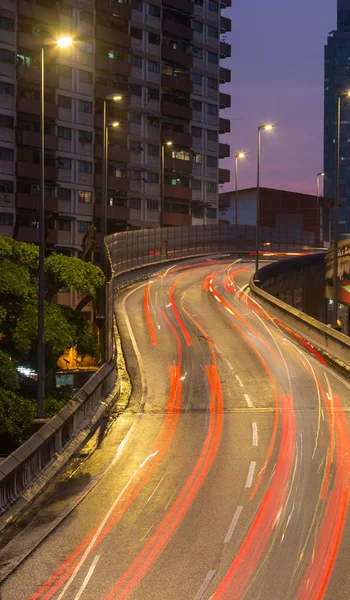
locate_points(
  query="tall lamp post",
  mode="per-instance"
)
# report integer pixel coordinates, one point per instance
(164, 144)
(266, 127)
(239, 155)
(63, 42)
(318, 216)
(336, 214)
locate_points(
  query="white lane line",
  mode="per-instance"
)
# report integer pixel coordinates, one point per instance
(205, 585)
(233, 525)
(248, 400)
(88, 577)
(238, 379)
(255, 434)
(250, 474)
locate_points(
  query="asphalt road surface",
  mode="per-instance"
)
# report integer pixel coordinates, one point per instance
(232, 482)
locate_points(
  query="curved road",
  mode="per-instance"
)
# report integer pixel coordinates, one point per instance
(233, 479)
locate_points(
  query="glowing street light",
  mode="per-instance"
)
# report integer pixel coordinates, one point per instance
(239, 156)
(167, 144)
(265, 127)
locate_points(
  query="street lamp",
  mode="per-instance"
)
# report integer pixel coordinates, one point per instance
(239, 155)
(336, 217)
(266, 127)
(164, 144)
(63, 42)
(318, 217)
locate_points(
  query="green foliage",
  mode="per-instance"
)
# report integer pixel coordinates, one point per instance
(71, 272)
(8, 375)
(16, 415)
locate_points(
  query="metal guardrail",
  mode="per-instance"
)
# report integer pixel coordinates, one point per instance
(19, 470)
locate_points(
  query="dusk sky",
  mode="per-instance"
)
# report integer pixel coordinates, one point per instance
(277, 75)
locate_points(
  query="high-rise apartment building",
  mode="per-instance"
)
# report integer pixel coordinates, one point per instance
(163, 58)
(337, 79)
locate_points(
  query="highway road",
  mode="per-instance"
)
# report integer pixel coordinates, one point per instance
(232, 481)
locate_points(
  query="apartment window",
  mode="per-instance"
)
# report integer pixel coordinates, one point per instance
(154, 66)
(153, 11)
(85, 76)
(6, 187)
(65, 133)
(65, 71)
(7, 56)
(197, 26)
(152, 205)
(197, 212)
(212, 161)
(136, 90)
(135, 118)
(63, 193)
(153, 94)
(135, 147)
(64, 102)
(153, 149)
(181, 155)
(196, 158)
(196, 184)
(136, 175)
(84, 166)
(85, 107)
(6, 121)
(137, 5)
(211, 213)
(6, 89)
(197, 52)
(196, 105)
(7, 154)
(199, 2)
(136, 33)
(212, 109)
(212, 187)
(213, 6)
(136, 61)
(85, 47)
(196, 131)
(7, 24)
(64, 163)
(213, 58)
(212, 135)
(213, 31)
(212, 83)
(154, 38)
(6, 219)
(197, 78)
(83, 226)
(86, 17)
(85, 137)
(152, 178)
(85, 197)
(135, 203)
(63, 224)
(153, 123)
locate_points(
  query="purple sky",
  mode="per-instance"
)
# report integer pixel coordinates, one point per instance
(277, 76)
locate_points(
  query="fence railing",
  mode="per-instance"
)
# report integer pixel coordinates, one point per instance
(19, 470)
(131, 249)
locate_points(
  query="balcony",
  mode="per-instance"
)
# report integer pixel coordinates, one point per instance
(224, 100)
(176, 219)
(121, 184)
(32, 201)
(225, 50)
(32, 171)
(177, 83)
(118, 213)
(120, 67)
(177, 111)
(179, 192)
(116, 153)
(224, 150)
(177, 166)
(116, 8)
(113, 36)
(177, 57)
(35, 12)
(225, 24)
(31, 235)
(33, 107)
(224, 75)
(224, 176)
(178, 30)
(224, 126)
(31, 138)
(182, 5)
(178, 139)
(101, 91)
(32, 75)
